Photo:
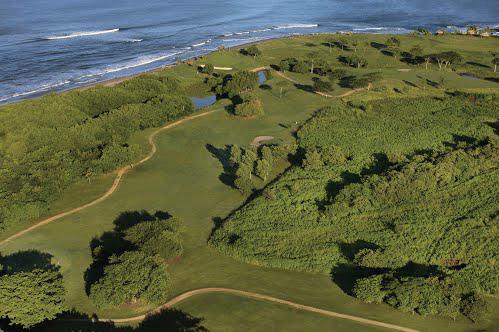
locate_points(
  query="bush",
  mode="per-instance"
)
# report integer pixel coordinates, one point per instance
(253, 51)
(130, 277)
(474, 306)
(157, 237)
(240, 82)
(322, 86)
(370, 290)
(250, 107)
(208, 69)
(300, 67)
(337, 74)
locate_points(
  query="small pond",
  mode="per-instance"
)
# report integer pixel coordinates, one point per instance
(261, 77)
(204, 102)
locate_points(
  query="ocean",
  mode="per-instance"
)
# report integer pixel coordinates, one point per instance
(54, 45)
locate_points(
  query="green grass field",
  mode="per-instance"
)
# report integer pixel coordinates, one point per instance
(183, 179)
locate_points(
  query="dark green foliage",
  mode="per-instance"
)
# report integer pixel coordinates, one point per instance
(445, 59)
(370, 289)
(393, 42)
(300, 67)
(474, 306)
(424, 296)
(354, 61)
(49, 143)
(294, 65)
(408, 193)
(141, 244)
(130, 277)
(241, 82)
(253, 51)
(322, 86)
(337, 74)
(156, 237)
(31, 289)
(251, 106)
(208, 69)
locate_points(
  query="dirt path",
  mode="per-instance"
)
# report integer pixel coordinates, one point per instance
(346, 94)
(262, 297)
(119, 176)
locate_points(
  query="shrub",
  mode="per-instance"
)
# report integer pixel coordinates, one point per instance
(130, 277)
(370, 290)
(474, 306)
(250, 107)
(322, 86)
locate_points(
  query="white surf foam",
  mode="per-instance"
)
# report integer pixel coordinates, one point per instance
(296, 26)
(141, 61)
(41, 88)
(83, 34)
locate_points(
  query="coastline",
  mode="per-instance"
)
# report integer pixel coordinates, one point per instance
(117, 80)
(114, 81)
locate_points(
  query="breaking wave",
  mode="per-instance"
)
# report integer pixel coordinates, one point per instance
(296, 26)
(82, 34)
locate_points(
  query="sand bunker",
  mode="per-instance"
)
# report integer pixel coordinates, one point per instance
(259, 140)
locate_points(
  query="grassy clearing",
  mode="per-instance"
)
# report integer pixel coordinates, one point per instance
(183, 179)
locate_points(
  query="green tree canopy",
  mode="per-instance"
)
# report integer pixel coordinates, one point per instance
(130, 277)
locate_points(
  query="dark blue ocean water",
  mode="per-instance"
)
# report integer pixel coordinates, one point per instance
(51, 45)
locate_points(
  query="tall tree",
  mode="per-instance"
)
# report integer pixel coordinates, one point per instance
(30, 297)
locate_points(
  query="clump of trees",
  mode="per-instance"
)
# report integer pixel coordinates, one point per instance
(207, 69)
(249, 162)
(322, 86)
(30, 294)
(294, 65)
(130, 262)
(445, 59)
(130, 277)
(354, 61)
(250, 106)
(361, 81)
(253, 51)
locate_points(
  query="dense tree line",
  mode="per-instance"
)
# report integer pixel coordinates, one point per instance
(49, 143)
(422, 169)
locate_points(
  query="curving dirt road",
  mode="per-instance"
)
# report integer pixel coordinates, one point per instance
(262, 297)
(119, 175)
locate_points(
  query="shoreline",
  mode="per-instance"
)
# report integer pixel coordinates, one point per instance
(117, 80)
(114, 81)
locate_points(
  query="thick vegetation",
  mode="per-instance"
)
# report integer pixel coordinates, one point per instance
(421, 169)
(129, 263)
(49, 143)
(31, 289)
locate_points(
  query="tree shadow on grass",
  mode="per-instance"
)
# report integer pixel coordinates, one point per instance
(477, 64)
(304, 87)
(171, 320)
(494, 126)
(223, 155)
(27, 260)
(378, 46)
